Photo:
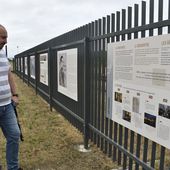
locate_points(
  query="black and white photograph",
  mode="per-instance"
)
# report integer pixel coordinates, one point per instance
(118, 97)
(126, 116)
(63, 70)
(164, 111)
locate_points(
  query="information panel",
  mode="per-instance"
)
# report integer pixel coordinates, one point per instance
(25, 65)
(67, 72)
(138, 86)
(32, 66)
(44, 68)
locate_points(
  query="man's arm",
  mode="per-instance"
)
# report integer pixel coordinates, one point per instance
(13, 87)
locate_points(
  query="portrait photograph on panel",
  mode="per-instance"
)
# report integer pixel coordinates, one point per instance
(63, 70)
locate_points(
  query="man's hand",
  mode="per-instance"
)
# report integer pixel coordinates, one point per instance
(15, 100)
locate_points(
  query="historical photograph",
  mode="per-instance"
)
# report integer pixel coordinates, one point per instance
(62, 70)
(164, 111)
(126, 115)
(118, 97)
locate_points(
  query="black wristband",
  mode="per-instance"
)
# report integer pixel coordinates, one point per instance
(16, 95)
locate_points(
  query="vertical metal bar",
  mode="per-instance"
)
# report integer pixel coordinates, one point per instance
(96, 79)
(28, 66)
(50, 68)
(123, 22)
(95, 83)
(115, 140)
(14, 63)
(112, 26)
(103, 83)
(145, 150)
(22, 68)
(125, 146)
(36, 72)
(126, 130)
(115, 124)
(120, 126)
(88, 72)
(143, 17)
(91, 77)
(112, 23)
(162, 158)
(120, 143)
(153, 154)
(160, 15)
(99, 84)
(85, 110)
(103, 80)
(129, 37)
(138, 150)
(129, 21)
(131, 149)
(151, 14)
(20, 74)
(136, 17)
(118, 24)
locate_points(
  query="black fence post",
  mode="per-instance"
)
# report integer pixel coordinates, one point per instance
(86, 94)
(36, 72)
(50, 66)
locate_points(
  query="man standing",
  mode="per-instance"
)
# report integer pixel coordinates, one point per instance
(8, 121)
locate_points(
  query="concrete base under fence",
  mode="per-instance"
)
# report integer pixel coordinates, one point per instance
(81, 148)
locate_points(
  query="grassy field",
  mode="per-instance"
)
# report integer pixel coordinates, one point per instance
(49, 139)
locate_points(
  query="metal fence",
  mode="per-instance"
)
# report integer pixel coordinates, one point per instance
(88, 114)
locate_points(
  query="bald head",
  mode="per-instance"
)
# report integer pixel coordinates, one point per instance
(3, 36)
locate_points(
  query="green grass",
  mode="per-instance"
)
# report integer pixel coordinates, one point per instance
(49, 139)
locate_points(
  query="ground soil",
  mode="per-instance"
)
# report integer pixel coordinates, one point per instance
(49, 139)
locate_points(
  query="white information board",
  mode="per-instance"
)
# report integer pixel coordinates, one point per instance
(44, 68)
(138, 86)
(21, 65)
(32, 66)
(67, 72)
(26, 65)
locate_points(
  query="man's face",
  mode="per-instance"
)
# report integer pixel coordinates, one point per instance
(3, 37)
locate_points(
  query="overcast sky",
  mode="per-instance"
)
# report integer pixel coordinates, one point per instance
(31, 22)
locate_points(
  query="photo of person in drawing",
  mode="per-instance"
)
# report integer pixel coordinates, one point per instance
(62, 71)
